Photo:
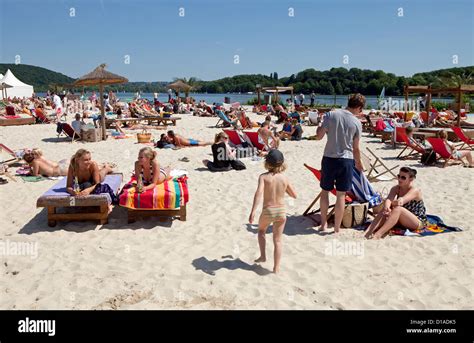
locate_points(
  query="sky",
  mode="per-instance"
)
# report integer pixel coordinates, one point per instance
(158, 40)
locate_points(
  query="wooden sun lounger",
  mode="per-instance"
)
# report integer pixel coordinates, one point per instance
(134, 214)
(93, 207)
(161, 120)
(4, 121)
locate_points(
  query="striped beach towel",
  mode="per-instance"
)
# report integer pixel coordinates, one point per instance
(363, 190)
(171, 194)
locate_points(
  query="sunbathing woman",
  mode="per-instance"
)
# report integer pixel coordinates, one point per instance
(86, 173)
(456, 154)
(41, 166)
(148, 167)
(403, 207)
(179, 141)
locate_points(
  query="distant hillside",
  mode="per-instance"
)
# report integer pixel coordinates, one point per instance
(333, 81)
(40, 78)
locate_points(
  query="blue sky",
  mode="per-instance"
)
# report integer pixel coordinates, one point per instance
(203, 43)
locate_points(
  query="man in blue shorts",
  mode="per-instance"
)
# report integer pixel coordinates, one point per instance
(341, 153)
(179, 141)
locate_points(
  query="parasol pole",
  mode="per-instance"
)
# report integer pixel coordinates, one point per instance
(102, 111)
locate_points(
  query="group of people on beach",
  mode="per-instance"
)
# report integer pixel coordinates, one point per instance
(404, 205)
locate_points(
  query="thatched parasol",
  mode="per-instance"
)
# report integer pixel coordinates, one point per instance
(180, 86)
(100, 77)
(3, 87)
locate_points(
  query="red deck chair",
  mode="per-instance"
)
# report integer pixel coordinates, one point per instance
(253, 137)
(424, 116)
(70, 132)
(414, 151)
(244, 121)
(233, 136)
(462, 136)
(41, 117)
(317, 174)
(439, 147)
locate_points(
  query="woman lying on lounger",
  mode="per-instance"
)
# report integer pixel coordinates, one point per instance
(403, 207)
(41, 166)
(180, 141)
(148, 167)
(86, 173)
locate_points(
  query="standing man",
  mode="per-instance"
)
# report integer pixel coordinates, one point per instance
(312, 97)
(58, 106)
(341, 153)
(170, 94)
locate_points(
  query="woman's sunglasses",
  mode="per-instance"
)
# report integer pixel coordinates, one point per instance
(401, 177)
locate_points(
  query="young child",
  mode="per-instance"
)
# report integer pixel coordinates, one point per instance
(273, 185)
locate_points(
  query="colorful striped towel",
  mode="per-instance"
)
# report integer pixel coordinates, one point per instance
(168, 195)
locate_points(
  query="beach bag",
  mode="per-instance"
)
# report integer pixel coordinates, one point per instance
(144, 137)
(428, 158)
(355, 215)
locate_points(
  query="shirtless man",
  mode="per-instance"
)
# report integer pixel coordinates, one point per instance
(41, 166)
(267, 137)
(179, 141)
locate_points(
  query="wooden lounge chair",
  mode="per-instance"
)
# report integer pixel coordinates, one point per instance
(415, 150)
(374, 167)
(94, 207)
(469, 142)
(439, 147)
(168, 199)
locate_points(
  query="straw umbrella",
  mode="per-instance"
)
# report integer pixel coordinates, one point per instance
(3, 87)
(99, 76)
(180, 86)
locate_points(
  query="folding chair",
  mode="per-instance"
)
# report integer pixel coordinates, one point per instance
(377, 164)
(439, 147)
(463, 138)
(224, 119)
(244, 121)
(414, 151)
(69, 132)
(253, 137)
(317, 174)
(234, 137)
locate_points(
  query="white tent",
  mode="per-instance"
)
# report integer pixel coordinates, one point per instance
(18, 88)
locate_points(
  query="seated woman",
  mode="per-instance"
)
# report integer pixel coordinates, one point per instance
(296, 131)
(403, 207)
(224, 157)
(85, 174)
(421, 145)
(41, 166)
(148, 167)
(456, 154)
(285, 133)
(179, 141)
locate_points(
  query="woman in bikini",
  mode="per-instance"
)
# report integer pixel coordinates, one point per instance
(403, 207)
(455, 153)
(85, 174)
(41, 166)
(148, 167)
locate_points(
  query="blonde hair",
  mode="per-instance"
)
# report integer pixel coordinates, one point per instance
(37, 152)
(219, 136)
(79, 154)
(275, 168)
(148, 152)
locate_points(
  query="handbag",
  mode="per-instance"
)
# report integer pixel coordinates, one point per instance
(355, 215)
(144, 137)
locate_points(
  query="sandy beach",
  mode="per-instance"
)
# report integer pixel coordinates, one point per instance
(206, 262)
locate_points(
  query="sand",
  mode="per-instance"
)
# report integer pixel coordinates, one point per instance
(207, 261)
